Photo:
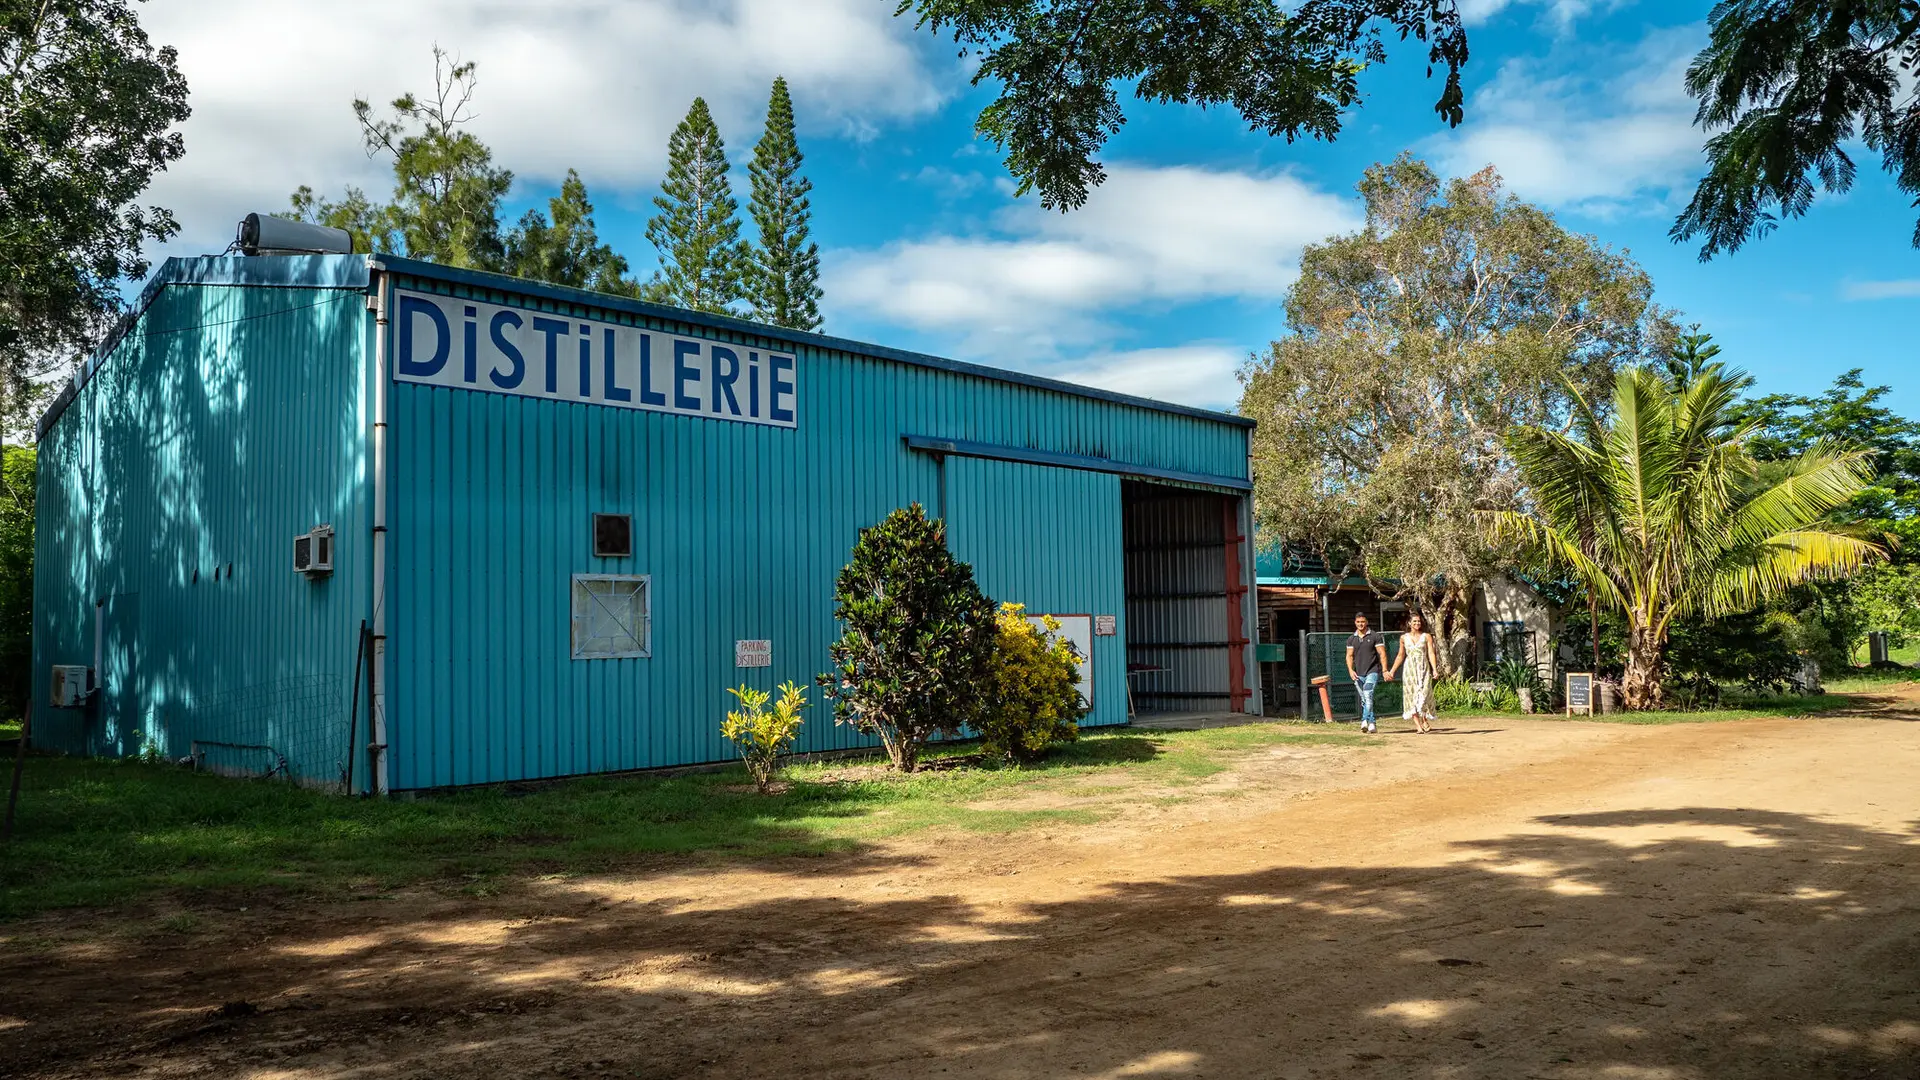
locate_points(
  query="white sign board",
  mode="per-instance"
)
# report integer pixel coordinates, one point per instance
(754, 653)
(469, 345)
(1077, 629)
(1103, 625)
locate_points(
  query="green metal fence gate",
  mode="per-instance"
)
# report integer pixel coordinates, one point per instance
(1326, 654)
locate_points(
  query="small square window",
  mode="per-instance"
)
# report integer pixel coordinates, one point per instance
(612, 616)
(612, 535)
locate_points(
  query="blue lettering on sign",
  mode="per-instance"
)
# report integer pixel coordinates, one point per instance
(724, 378)
(508, 350)
(619, 365)
(648, 395)
(419, 305)
(613, 390)
(776, 387)
(553, 328)
(683, 374)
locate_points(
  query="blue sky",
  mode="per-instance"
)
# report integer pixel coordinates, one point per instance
(1167, 279)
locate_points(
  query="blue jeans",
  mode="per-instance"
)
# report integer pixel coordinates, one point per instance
(1364, 687)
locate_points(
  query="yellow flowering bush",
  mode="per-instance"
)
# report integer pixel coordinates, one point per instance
(1031, 701)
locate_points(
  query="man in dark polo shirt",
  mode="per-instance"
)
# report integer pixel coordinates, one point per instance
(1366, 666)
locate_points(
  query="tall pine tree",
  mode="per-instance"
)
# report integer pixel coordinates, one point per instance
(697, 231)
(783, 272)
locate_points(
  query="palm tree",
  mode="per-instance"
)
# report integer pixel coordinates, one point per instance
(1664, 515)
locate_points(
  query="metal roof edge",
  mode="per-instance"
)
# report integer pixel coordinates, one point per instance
(257, 271)
(933, 444)
(564, 294)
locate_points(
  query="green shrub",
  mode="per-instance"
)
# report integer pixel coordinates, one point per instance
(1452, 695)
(761, 734)
(918, 637)
(1032, 702)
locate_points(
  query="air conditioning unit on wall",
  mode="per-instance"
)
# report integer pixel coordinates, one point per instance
(70, 686)
(313, 551)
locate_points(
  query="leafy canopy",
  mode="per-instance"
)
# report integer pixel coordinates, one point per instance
(1288, 69)
(1662, 511)
(1788, 84)
(782, 272)
(1457, 313)
(564, 247)
(446, 197)
(917, 636)
(88, 108)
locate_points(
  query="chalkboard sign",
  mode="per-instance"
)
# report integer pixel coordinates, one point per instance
(1579, 693)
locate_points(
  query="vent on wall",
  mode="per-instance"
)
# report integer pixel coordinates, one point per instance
(313, 551)
(613, 535)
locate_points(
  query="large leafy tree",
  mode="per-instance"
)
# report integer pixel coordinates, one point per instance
(697, 231)
(1789, 85)
(782, 271)
(1660, 508)
(918, 637)
(564, 247)
(88, 108)
(16, 579)
(446, 197)
(1415, 344)
(446, 189)
(1289, 69)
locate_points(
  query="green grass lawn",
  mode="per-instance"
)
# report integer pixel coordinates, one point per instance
(9, 729)
(100, 832)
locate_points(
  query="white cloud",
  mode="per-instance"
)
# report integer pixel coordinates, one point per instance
(1595, 144)
(1148, 236)
(591, 84)
(1200, 373)
(1563, 13)
(1881, 290)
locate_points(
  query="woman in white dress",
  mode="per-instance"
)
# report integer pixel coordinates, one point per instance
(1416, 653)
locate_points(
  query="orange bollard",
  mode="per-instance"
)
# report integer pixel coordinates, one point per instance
(1326, 703)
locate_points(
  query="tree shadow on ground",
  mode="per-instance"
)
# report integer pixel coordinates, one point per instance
(1689, 942)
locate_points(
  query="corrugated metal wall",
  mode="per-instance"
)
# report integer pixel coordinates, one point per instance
(223, 423)
(1050, 539)
(741, 527)
(1176, 598)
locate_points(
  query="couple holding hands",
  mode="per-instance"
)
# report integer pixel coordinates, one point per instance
(1367, 666)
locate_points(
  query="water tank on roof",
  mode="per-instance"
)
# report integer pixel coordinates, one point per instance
(264, 234)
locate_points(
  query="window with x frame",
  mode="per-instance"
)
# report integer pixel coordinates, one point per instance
(612, 616)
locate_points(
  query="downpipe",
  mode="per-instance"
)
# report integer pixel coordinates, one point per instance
(380, 301)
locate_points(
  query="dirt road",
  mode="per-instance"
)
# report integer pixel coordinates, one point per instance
(1520, 898)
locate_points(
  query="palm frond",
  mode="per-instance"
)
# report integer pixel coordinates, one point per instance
(1817, 482)
(1555, 548)
(1754, 575)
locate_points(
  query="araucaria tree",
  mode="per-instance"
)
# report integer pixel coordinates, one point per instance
(782, 273)
(697, 230)
(918, 637)
(87, 114)
(1457, 313)
(1662, 512)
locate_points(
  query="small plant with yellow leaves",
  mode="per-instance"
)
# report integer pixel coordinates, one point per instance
(762, 734)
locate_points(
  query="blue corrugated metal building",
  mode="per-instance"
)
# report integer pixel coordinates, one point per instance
(566, 521)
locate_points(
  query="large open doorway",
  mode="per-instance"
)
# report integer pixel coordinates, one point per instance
(1186, 595)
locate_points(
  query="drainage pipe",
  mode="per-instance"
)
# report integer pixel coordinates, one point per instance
(381, 301)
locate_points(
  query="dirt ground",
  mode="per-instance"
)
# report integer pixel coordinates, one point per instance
(1510, 898)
